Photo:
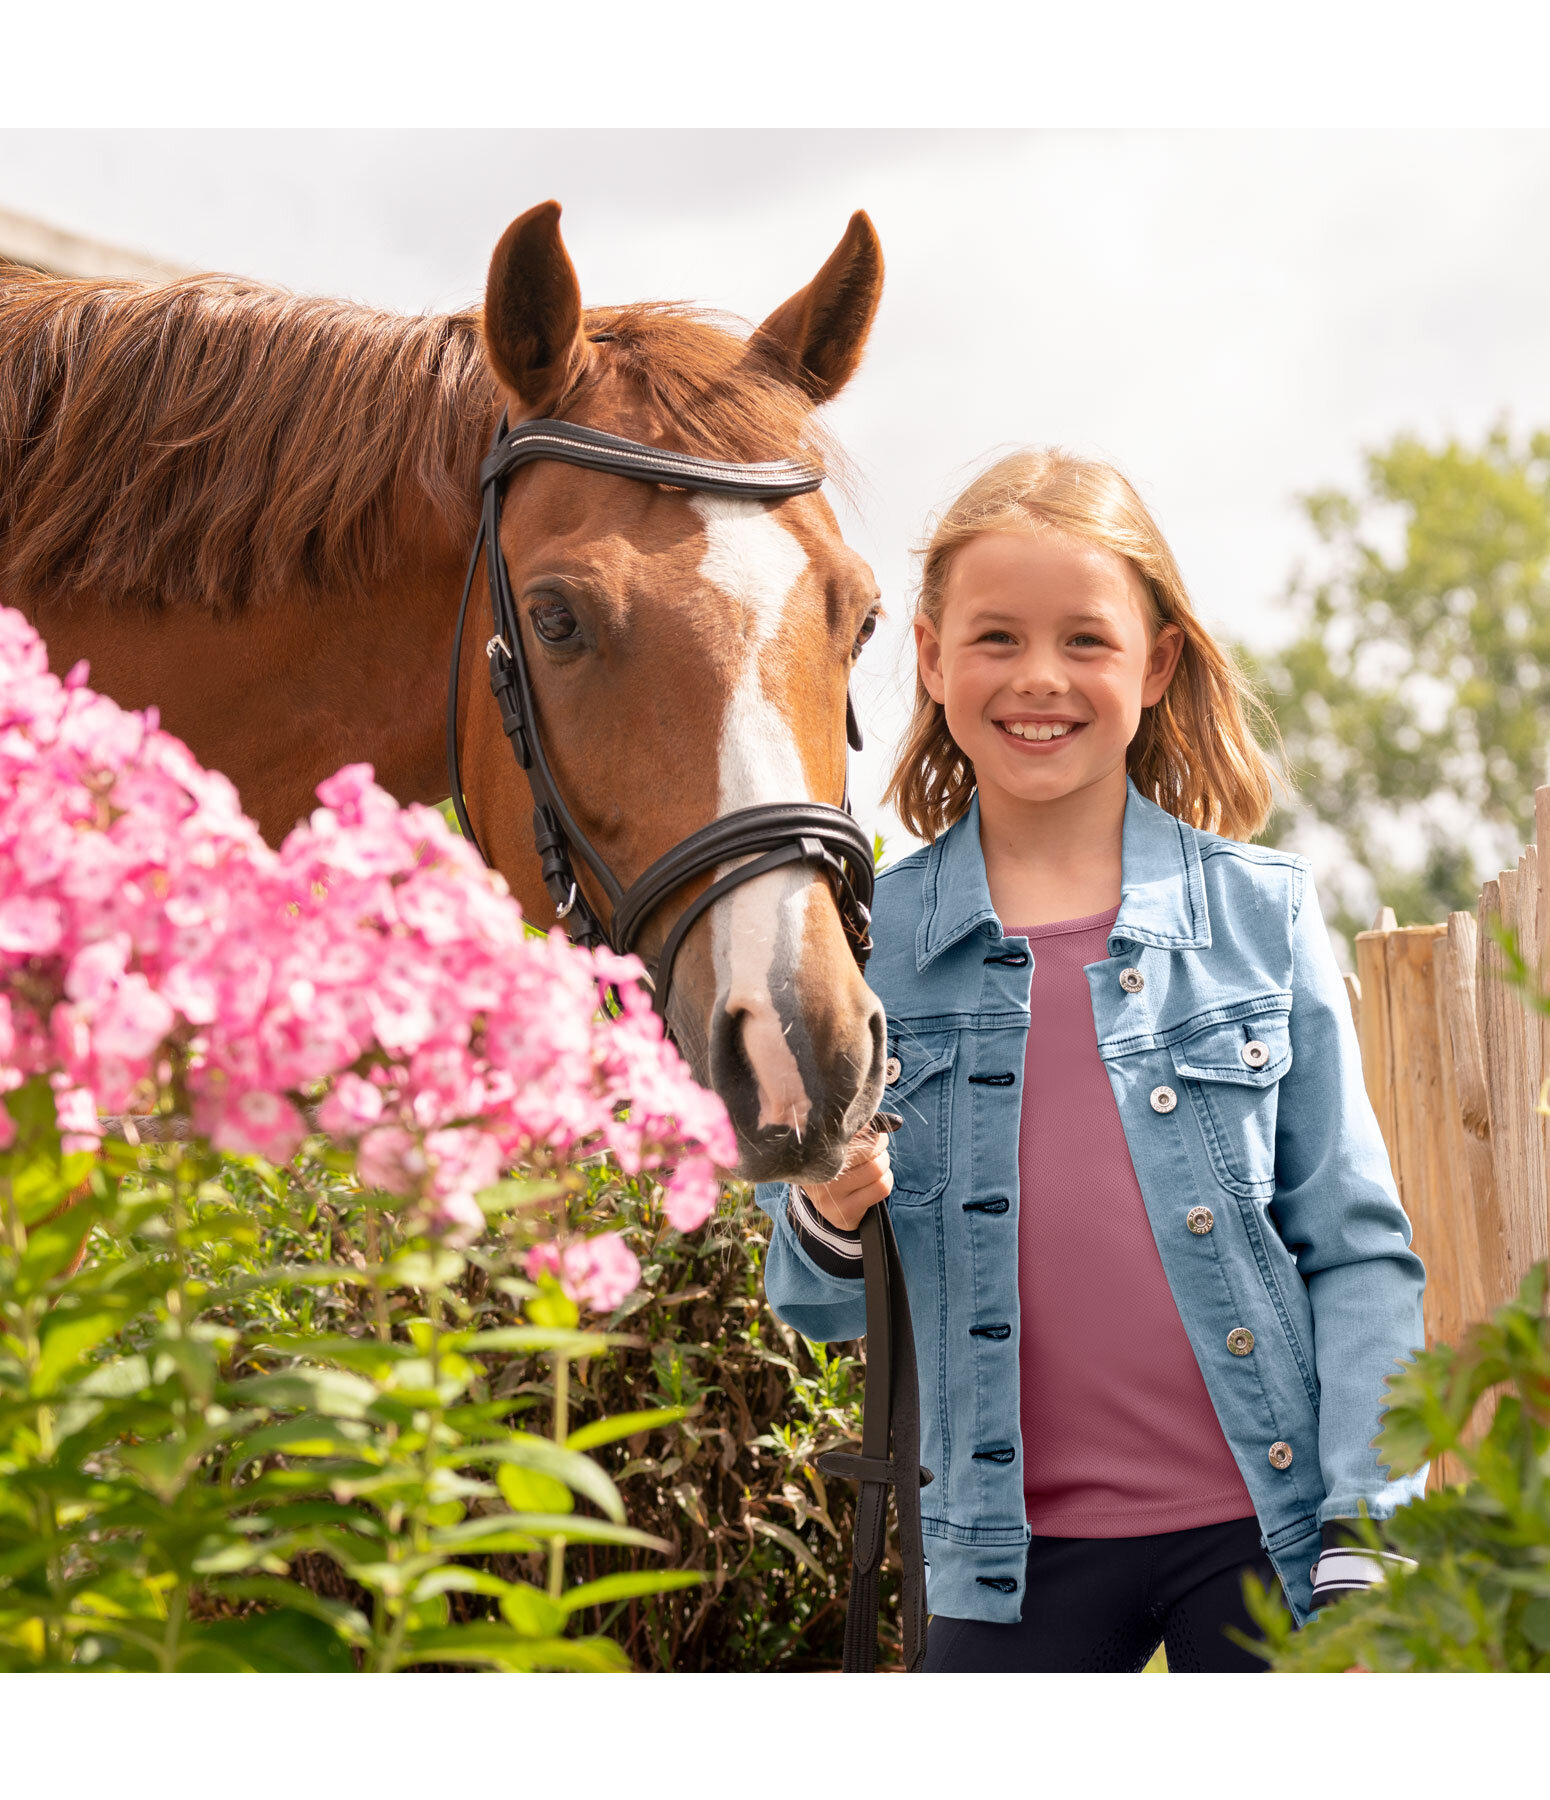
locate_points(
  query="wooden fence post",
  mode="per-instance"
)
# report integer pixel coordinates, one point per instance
(1517, 1139)
(1476, 1203)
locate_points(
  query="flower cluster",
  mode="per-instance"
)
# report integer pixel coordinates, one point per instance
(371, 968)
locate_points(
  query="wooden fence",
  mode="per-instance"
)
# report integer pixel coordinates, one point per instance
(1455, 1064)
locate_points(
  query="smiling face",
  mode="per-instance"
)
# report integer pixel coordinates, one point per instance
(1043, 658)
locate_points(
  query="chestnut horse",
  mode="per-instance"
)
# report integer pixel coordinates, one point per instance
(253, 512)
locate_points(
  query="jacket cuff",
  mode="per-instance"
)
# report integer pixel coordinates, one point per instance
(1347, 1566)
(835, 1250)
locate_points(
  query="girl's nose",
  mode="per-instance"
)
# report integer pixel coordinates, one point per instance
(1040, 672)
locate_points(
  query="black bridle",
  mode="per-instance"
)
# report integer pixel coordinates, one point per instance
(771, 836)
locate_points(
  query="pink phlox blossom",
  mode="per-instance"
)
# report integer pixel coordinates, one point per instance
(599, 1272)
(371, 968)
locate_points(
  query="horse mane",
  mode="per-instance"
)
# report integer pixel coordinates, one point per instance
(212, 442)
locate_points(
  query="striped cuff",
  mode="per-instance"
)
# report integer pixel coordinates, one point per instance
(836, 1251)
(1347, 1566)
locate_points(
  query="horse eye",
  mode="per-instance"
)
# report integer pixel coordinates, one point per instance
(554, 622)
(864, 635)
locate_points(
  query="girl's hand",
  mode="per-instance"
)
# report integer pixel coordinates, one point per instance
(865, 1180)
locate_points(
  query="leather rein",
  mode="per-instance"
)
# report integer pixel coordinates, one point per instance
(771, 836)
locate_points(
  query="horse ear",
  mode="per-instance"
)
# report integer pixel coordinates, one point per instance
(818, 335)
(532, 309)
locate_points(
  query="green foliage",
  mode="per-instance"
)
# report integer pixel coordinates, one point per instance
(1479, 1597)
(733, 1488)
(1416, 687)
(219, 1451)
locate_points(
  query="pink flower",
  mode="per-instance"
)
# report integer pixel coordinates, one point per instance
(260, 1124)
(692, 1193)
(30, 926)
(370, 966)
(352, 1106)
(599, 1272)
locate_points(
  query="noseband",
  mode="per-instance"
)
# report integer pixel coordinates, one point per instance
(772, 836)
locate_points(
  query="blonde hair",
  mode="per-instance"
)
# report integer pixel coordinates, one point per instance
(1195, 753)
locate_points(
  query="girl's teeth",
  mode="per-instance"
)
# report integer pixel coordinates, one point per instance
(1038, 733)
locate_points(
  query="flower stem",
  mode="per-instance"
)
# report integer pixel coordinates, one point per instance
(561, 1432)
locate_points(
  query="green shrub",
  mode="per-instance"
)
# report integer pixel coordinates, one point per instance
(200, 1414)
(1479, 1597)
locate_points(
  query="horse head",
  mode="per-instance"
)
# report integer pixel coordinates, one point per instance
(689, 656)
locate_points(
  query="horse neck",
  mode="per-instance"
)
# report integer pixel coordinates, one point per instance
(285, 692)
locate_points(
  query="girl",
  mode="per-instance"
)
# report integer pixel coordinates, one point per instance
(1157, 1266)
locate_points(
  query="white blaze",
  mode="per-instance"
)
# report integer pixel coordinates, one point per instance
(757, 564)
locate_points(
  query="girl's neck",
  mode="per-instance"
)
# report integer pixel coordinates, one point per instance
(1050, 860)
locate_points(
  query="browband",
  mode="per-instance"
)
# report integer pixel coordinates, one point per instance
(556, 440)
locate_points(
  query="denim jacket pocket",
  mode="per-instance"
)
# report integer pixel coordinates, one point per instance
(1233, 1070)
(921, 1094)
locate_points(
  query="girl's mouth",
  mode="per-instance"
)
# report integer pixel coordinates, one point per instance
(1039, 740)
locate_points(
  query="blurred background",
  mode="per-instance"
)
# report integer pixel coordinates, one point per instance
(1321, 356)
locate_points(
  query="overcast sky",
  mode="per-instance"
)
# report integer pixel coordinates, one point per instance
(1232, 317)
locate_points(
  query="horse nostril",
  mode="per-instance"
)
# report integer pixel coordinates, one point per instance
(783, 1099)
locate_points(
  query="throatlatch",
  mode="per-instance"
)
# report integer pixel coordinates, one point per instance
(770, 837)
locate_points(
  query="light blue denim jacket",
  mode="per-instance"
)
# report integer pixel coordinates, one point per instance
(1301, 1239)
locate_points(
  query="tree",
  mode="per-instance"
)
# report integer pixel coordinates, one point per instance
(1413, 698)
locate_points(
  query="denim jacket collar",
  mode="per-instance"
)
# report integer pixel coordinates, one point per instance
(1162, 890)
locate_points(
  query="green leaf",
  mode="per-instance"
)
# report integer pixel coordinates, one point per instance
(162, 1466)
(286, 1640)
(1535, 1623)
(54, 1245)
(67, 1337)
(506, 1649)
(304, 1436)
(623, 1425)
(631, 1584)
(473, 1534)
(531, 1612)
(509, 1196)
(578, 1472)
(529, 1491)
(457, 1578)
(332, 1392)
(552, 1306)
(788, 1540)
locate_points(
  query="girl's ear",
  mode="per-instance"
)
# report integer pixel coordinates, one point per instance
(928, 658)
(1162, 663)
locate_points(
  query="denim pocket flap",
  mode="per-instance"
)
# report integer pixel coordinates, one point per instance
(1255, 1051)
(921, 1094)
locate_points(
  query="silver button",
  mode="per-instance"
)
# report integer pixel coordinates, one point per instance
(1255, 1054)
(1280, 1455)
(1164, 1099)
(891, 1070)
(1132, 980)
(1200, 1219)
(1241, 1341)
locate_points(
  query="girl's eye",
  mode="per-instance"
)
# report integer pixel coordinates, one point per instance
(554, 622)
(864, 635)
(1087, 637)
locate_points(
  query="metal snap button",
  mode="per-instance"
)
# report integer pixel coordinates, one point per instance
(1164, 1099)
(1132, 980)
(1241, 1341)
(1256, 1054)
(1280, 1455)
(891, 1070)
(1200, 1219)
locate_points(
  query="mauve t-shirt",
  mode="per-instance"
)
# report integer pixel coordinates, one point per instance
(1119, 1435)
